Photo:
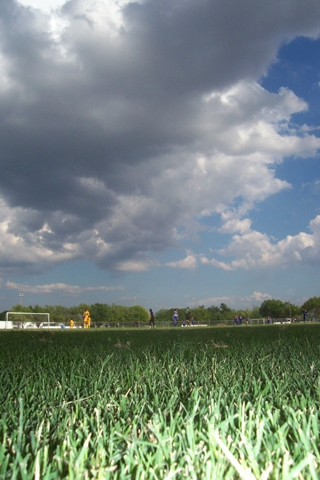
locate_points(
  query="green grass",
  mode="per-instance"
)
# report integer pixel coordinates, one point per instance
(240, 402)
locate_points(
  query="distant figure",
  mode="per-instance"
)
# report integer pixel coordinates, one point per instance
(240, 319)
(151, 318)
(188, 316)
(235, 320)
(305, 313)
(192, 321)
(86, 319)
(247, 320)
(71, 323)
(175, 317)
(268, 320)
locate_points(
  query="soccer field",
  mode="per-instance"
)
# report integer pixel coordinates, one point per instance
(213, 403)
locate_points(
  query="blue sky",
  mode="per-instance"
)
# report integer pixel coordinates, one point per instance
(162, 150)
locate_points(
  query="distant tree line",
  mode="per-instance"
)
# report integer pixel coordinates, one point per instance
(272, 308)
(104, 313)
(100, 313)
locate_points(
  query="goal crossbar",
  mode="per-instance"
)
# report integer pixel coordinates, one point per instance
(26, 313)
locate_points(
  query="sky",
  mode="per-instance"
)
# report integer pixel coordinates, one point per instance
(163, 153)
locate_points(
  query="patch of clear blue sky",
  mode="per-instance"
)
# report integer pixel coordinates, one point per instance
(289, 212)
(298, 68)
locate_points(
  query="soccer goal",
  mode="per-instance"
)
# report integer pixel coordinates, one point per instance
(25, 319)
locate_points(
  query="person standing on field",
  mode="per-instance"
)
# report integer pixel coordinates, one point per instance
(86, 319)
(188, 316)
(175, 317)
(71, 323)
(151, 318)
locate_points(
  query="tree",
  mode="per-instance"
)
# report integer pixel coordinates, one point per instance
(20, 308)
(201, 314)
(214, 313)
(227, 313)
(312, 306)
(100, 312)
(224, 308)
(163, 315)
(138, 314)
(118, 313)
(254, 312)
(274, 309)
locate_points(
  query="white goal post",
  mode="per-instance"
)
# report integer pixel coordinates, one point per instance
(47, 316)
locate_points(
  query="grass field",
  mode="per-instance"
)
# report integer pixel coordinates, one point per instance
(184, 403)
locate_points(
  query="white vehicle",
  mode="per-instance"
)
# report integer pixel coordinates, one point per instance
(51, 325)
(285, 320)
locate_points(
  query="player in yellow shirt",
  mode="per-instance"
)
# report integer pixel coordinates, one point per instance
(86, 319)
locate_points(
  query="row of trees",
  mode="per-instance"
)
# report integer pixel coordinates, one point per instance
(279, 309)
(104, 313)
(100, 313)
(273, 308)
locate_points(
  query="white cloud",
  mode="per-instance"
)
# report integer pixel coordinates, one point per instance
(254, 249)
(54, 287)
(44, 5)
(136, 266)
(189, 262)
(257, 298)
(235, 225)
(25, 248)
(215, 263)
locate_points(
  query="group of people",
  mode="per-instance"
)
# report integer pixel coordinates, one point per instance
(238, 319)
(86, 320)
(189, 320)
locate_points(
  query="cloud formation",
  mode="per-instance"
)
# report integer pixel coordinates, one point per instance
(125, 126)
(62, 287)
(254, 249)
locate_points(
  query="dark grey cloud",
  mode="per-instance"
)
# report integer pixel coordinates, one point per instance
(98, 126)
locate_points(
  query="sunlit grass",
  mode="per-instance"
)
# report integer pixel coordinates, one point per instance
(227, 403)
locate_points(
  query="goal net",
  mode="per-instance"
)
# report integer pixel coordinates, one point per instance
(26, 319)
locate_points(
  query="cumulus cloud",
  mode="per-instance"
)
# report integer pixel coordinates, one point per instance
(258, 297)
(254, 249)
(125, 125)
(189, 262)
